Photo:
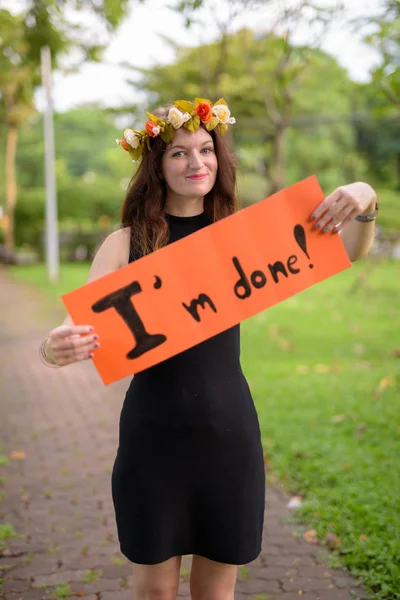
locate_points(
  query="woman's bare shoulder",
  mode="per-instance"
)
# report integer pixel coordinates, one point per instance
(119, 241)
(112, 254)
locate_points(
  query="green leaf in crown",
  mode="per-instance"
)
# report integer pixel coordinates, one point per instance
(220, 101)
(212, 124)
(198, 101)
(154, 118)
(168, 134)
(193, 124)
(185, 106)
(136, 153)
(222, 128)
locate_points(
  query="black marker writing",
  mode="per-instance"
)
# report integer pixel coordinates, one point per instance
(121, 301)
(193, 308)
(300, 237)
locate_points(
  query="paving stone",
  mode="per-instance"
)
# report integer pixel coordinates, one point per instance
(295, 596)
(120, 595)
(335, 595)
(15, 585)
(306, 585)
(258, 586)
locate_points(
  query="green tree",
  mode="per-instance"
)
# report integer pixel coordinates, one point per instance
(91, 172)
(272, 71)
(255, 92)
(386, 40)
(17, 82)
(41, 23)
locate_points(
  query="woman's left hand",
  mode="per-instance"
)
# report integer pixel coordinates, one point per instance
(343, 205)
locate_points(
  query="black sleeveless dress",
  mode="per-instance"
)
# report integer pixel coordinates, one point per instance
(189, 474)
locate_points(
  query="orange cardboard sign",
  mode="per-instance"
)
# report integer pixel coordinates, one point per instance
(201, 285)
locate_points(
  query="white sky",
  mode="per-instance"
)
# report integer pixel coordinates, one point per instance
(138, 41)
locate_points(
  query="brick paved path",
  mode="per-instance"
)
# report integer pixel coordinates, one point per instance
(57, 494)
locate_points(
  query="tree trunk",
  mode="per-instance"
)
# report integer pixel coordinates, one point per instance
(11, 186)
(279, 157)
(274, 168)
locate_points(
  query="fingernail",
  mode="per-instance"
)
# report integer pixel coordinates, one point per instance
(96, 345)
(318, 226)
(91, 355)
(313, 217)
(326, 229)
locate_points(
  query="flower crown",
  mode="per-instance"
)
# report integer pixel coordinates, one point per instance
(184, 113)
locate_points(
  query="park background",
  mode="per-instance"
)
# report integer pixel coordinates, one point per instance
(315, 88)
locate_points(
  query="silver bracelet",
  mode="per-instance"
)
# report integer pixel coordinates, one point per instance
(44, 358)
(368, 218)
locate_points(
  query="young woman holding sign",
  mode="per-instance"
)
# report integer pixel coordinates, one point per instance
(189, 473)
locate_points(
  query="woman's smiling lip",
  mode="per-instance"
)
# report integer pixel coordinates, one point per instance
(195, 177)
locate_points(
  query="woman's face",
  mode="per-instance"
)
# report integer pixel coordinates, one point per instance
(189, 164)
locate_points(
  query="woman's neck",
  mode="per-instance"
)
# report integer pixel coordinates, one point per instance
(184, 207)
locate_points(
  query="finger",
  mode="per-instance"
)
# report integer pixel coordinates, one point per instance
(346, 221)
(68, 357)
(331, 215)
(72, 343)
(323, 207)
(68, 330)
(63, 361)
(337, 219)
(76, 353)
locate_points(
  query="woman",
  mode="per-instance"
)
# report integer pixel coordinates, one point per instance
(189, 474)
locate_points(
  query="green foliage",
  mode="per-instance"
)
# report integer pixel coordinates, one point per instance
(7, 532)
(4, 460)
(46, 24)
(92, 575)
(386, 39)
(63, 590)
(90, 183)
(341, 131)
(247, 77)
(22, 37)
(17, 81)
(389, 213)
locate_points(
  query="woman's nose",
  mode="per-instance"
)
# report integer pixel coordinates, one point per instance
(195, 161)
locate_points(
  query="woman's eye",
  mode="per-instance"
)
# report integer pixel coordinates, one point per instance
(177, 153)
(207, 150)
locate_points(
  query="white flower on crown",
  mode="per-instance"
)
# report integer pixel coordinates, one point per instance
(132, 138)
(223, 114)
(156, 130)
(177, 118)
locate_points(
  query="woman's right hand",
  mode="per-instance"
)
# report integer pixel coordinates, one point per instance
(71, 343)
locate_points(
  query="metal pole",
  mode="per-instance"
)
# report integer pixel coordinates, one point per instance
(52, 247)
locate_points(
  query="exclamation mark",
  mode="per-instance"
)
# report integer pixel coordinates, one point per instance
(300, 237)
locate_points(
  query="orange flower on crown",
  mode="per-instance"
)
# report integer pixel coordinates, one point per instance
(204, 111)
(152, 128)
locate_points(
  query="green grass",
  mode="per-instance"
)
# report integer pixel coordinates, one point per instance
(324, 370)
(389, 213)
(72, 275)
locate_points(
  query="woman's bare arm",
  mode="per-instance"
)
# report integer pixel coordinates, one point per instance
(65, 344)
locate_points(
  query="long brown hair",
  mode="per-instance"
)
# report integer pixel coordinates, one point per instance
(143, 207)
